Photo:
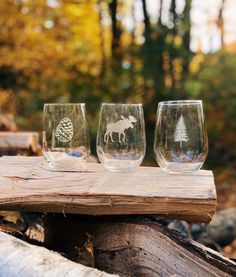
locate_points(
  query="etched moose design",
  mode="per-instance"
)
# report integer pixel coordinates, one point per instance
(119, 127)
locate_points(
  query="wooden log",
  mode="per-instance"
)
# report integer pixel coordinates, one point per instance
(20, 259)
(136, 246)
(16, 142)
(26, 185)
(7, 122)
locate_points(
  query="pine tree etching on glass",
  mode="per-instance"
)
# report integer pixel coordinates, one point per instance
(180, 133)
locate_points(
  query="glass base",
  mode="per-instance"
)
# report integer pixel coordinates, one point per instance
(121, 165)
(63, 161)
(172, 167)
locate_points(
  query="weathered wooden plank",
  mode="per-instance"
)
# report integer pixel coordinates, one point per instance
(26, 185)
(20, 141)
(20, 259)
(136, 246)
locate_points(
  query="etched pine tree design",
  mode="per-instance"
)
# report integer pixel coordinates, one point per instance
(180, 133)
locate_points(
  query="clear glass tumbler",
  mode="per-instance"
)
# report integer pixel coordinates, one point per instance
(121, 143)
(181, 143)
(65, 135)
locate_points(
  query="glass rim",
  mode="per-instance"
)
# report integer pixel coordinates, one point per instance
(121, 104)
(63, 104)
(180, 102)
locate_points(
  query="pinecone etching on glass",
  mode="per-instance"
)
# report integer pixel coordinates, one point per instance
(64, 130)
(180, 133)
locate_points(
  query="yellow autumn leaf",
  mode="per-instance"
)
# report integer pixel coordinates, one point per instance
(11, 216)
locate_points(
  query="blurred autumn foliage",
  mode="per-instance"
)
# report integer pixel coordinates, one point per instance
(83, 51)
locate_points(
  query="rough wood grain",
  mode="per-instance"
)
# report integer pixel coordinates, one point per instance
(20, 141)
(20, 259)
(136, 246)
(26, 185)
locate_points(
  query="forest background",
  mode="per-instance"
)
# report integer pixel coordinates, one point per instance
(142, 51)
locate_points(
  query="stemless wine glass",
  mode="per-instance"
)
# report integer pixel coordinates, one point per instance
(65, 135)
(181, 143)
(121, 142)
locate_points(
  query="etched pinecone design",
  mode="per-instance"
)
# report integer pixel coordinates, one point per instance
(64, 130)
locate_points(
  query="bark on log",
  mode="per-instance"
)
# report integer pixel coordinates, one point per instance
(136, 246)
(20, 259)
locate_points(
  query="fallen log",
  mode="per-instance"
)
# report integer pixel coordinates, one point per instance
(24, 143)
(20, 259)
(26, 185)
(136, 246)
(7, 122)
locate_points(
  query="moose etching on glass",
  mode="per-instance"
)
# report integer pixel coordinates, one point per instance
(119, 127)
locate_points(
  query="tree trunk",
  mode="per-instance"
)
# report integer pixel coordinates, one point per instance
(172, 51)
(220, 23)
(102, 37)
(115, 44)
(159, 23)
(186, 39)
(146, 20)
(136, 246)
(186, 28)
